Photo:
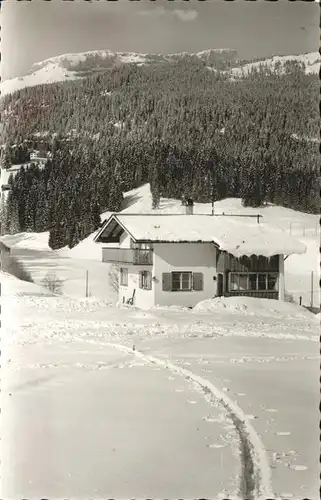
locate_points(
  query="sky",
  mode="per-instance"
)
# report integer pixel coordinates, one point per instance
(35, 30)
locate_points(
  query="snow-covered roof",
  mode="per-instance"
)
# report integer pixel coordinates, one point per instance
(236, 235)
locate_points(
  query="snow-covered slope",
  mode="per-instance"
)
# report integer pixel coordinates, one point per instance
(77, 65)
(310, 62)
(49, 73)
(30, 241)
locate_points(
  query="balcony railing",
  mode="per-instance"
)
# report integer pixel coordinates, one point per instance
(128, 256)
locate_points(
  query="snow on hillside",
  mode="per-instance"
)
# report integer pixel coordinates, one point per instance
(311, 62)
(5, 173)
(14, 287)
(71, 60)
(31, 241)
(77, 65)
(72, 66)
(50, 73)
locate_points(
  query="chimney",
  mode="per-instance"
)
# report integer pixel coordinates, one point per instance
(189, 207)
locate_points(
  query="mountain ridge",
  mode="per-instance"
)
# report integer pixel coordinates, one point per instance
(73, 66)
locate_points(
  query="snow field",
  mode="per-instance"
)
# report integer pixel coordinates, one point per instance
(54, 353)
(261, 472)
(275, 383)
(114, 426)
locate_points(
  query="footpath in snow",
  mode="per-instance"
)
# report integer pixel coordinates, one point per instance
(195, 385)
(82, 419)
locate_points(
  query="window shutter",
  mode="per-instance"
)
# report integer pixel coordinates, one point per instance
(149, 280)
(167, 282)
(198, 282)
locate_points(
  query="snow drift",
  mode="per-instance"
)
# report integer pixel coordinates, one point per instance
(253, 307)
(14, 287)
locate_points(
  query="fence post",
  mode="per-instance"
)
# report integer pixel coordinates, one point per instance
(87, 283)
(300, 300)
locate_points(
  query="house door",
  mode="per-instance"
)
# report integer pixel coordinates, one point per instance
(219, 290)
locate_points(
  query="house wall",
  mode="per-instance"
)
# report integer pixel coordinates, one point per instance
(144, 299)
(124, 240)
(194, 257)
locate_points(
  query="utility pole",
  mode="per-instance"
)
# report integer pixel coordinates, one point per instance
(311, 288)
(87, 283)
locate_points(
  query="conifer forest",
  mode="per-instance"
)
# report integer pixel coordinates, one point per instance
(181, 127)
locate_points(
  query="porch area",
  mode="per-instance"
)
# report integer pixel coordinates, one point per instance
(255, 276)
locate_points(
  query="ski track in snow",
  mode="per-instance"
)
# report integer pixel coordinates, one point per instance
(116, 334)
(260, 480)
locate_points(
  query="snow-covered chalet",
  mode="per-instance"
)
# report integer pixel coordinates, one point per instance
(182, 259)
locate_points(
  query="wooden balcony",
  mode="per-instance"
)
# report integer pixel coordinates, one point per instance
(132, 256)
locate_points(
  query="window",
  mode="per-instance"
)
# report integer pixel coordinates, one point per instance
(242, 281)
(145, 280)
(262, 281)
(272, 279)
(253, 282)
(182, 281)
(238, 281)
(123, 276)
